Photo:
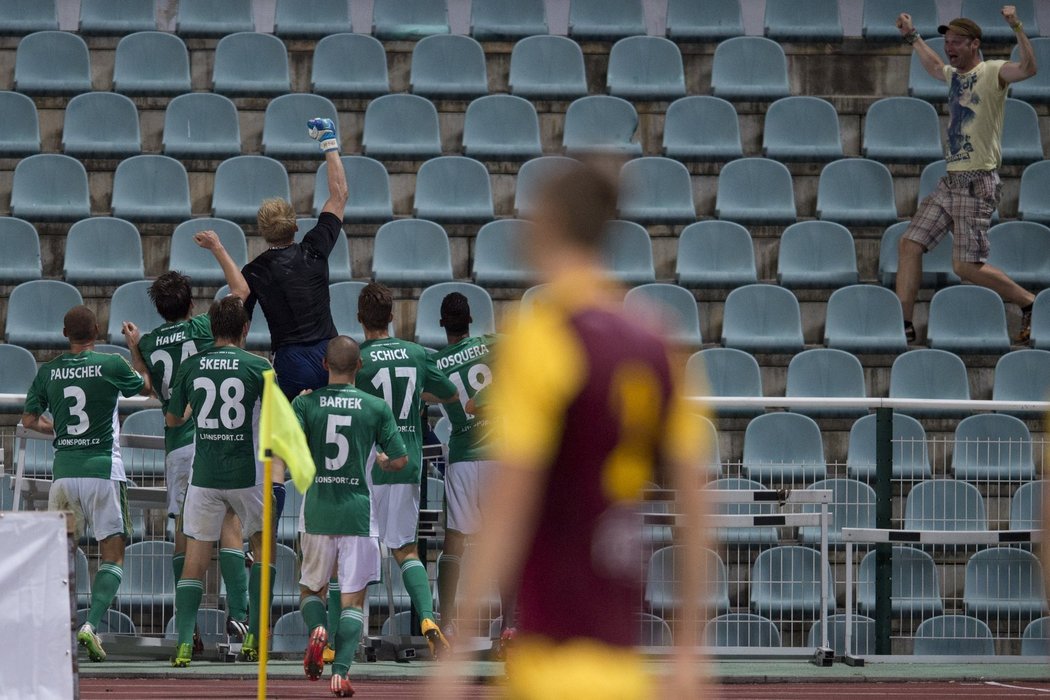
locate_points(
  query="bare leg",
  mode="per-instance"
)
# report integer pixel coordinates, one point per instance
(909, 274)
(995, 279)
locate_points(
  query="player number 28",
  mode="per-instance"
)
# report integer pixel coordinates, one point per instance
(231, 410)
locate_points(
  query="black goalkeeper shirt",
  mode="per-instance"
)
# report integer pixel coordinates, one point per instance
(291, 285)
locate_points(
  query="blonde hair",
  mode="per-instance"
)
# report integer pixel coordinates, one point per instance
(276, 220)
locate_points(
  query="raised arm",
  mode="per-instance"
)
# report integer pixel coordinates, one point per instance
(323, 130)
(1014, 71)
(209, 240)
(927, 56)
(132, 335)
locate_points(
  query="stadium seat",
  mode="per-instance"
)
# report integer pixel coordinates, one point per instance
(670, 308)
(448, 66)
(324, 17)
(816, 254)
(115, 18)
(656, 190)
(824, 372)
(259, 330)
(856, 191)
(755, 190)
(929, 374)
(653, 632)
(288, 525)
(411, 252)
(604, 20)
(715, 254)
(17, 370)
(1037, 88)
(149, 582)
(646, 68)
(39, 457)
(1004, 583)
(1035, 180)
(101, 125)
(151, 63)
(852, 505)
(803, 20)
(428, 311)
(83, 578)
(531, 175)
(284, 126)
(338, 258)
(211, 627)
(52, 63)
(863, 637)
(1022, 375)
(628, 253)
(689, 21)
(286, 582)
(968, 319)
(663, 577)
(993, 29)
(746, 536)
(103, 250)
(503, 20)
(601, 124)
(762, 318)
(349, 65)
(782, 448)
(547, 68)
(20, 17)
(785, 584)
(724, 372)
(498, 256)
(377, 592)
(749, 68)
(453, 189)
(920, 83)
(35, 310)
(115, 350)
(1021, 142)
(802, 128)
(740, 630)
(992, 447)
(113, 621)
(1021, 249)
(21, 246)
(21, 134)
(880, 18)
(151, 188)
(344, 297)
(701, 127)
(1036, 638)
(250, 64)
(199, 264)
(243, 182)
(1041, 321)
(141, 463)
(407, 20)
(911, 457)
(916, 584)
(936, 264)
(401, 127)
(50, 187)
(201, 125)
(290, 635)
(864, 318)
(953, 635)
(369, 190)
(710, 442)
(501, 127)
(130, 302)
(902, 130)
(945, 504)
(207, 18)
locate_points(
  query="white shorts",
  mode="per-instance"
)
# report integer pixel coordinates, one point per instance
(357, 557)
(465, 483)
(396, 510)
(205, 510)
(178, 466)
(100, 503)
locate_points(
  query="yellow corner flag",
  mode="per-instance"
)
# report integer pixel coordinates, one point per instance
(281, 434)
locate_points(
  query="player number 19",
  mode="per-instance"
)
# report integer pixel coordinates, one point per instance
(479, 376)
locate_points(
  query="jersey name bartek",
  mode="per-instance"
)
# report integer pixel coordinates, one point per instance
(85, 372)
(340, 402)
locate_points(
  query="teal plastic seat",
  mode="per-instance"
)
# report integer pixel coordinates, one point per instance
(114, 350)
(715, 254)
(428, 311)
(993, 29)
(863, 637)
(1041, 321)
(929, 374)
(968, 319)
(725, 372)
(991, 447)
(1036, 638)
(21, 134)
(548, 68)
(604, 20)
(323, 18)
(755, 190)
(148, 586)
(50, 187)
(151, 188)
(349, 65)
(1004, 583)
(498, 257)
(1021, 249)
(20, 17)
(448, 66)
(103, 250)
(671, 308)
(762, 318)
(1037, 88)
(151, 63)
(749, 68)
(101, 125)
(369, 190)
(21, 246)
(865, 318)
(140, 463)
(258, 330)
(945, 504)
(83, 578)
(824, 372)
(803, 20)
(1032, 205)
(920, 83)
(785, 584)
(453, 189)
(114, 18)
(407, 20)
(954, 635)
(802, 128)
(879, 22)
(503, 20)
(1021, 142)
(856, 191)
(743, 536)
(52, 63)
(656, 190)
(501, 127)
(35, 310)
(250, 64)
(290, 635)
(284, 126)
(646, 68)
(288, 525)
(902, 130)
(201, 125)
(783, 448)
(703, 21)
(338, 258)
(243, 182)
(131, 302)
(936, 264)
(661, 582)
(653, 631)
(531, 176)
(911, 457)
(1022, 375)
(701, 127)
(628, 252)
(344, 297)
(199, 264)
(207, 18)
(113, 621)
(741, 630)
(401, 127)
(411, 253)
(916, 587)
(601, 124)
(1026, 506)
(816, 254)
(852, 505)
(17, 371)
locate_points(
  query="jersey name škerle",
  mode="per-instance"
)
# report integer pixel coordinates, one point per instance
(467, 364)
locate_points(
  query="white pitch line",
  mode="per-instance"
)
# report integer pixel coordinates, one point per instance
(1017, 687)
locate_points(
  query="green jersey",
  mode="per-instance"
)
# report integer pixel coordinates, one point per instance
(343, 426)
(398, 372)
(223, 386)
(81, 391)
(164, 350)
(467, 364)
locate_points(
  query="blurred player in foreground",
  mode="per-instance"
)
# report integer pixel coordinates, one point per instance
(588, 415)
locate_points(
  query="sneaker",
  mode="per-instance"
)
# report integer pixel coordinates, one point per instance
(328, 655)
(236, 628)
(313, 663)
(439, 646)
(341, 687)
(87, 638)
(1024, 336)
(182, 656)
(249, 652)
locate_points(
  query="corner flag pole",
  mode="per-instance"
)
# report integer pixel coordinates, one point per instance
(264, 582)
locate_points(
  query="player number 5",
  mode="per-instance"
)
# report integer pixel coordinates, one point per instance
(334, 437)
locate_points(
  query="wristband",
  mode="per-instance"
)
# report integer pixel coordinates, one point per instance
(331, 144)
(1018, 28)
(912, 36)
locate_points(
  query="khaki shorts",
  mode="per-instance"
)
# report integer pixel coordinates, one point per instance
(358, 559)
(100, 503)
(963, 202)
(205, 509)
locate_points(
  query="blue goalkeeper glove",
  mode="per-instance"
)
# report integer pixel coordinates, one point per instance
(323, 130)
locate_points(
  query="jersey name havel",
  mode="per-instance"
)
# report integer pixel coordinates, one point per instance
(463, 356)
(174, 338)
(388, 355)
(85, 372)
(346, 402)
(220, 363)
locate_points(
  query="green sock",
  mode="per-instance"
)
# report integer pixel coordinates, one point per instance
(418, 586)
(351, 624)
(188, 593)
(335, 606)
(103, 590)
(177, 562)
(231, 564)
(448, 582)
(313, 612)
(254, 597)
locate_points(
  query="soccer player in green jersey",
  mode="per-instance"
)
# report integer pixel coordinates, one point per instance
(161, 352)
(404, 376)
(222, 388)
(81, 388)
(348, 431)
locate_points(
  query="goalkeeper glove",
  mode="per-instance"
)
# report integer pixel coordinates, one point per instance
(323, 130)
